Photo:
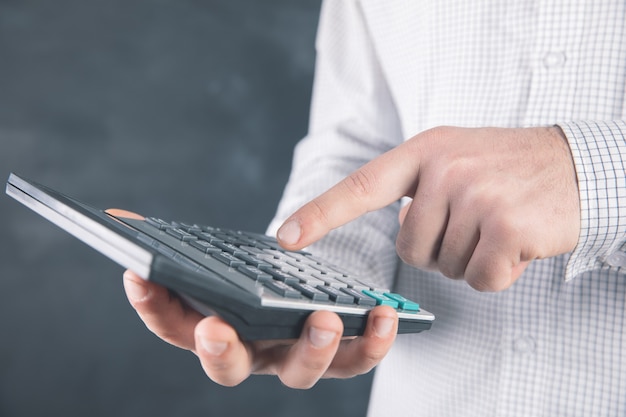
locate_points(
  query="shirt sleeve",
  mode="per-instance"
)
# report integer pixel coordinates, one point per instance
(599, 153)
(353, 119)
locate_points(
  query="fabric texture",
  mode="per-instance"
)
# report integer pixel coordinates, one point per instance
(553, 344)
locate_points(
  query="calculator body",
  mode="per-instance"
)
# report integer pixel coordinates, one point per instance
(262, 290)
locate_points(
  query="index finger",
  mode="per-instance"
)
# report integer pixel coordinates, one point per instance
(375, 185)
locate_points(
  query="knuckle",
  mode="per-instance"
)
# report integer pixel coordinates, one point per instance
(489, 274)
(366, 363)
(502, 228)
(481, 283)
(315, 366)
(453, 171)
(405, 252)
(487, 284)
(370, 356)
(361, 183)
(450, 270)
(373, 356)
(451, 262)
(409, 253)
(318, 211)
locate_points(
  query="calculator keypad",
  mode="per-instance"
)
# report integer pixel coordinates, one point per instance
(293, 275)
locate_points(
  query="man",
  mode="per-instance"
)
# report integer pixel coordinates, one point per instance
(528, 216)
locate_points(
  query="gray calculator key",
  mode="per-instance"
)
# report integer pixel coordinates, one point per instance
(352, 283)
(180, 234)
(311, 292)
(282, 276)
(255, 273)
(329, 280)
(252, 260)
(337, 295)
(375, 287)
(158, 223)
(360, 298)
(282, 289)
(228, 247)
(204, 246)
(228, 259)
(305, 277)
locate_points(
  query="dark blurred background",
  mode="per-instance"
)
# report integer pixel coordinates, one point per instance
(182, 109)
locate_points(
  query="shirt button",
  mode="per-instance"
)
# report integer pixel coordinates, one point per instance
(617, 259)
(524, 345)
(554, 59)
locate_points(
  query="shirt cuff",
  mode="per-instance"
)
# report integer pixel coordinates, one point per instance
(599, 154)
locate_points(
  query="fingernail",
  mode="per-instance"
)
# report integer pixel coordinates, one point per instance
(383, 326)
(289, 232)
(135, 291)
(214, 348)
(321, 338)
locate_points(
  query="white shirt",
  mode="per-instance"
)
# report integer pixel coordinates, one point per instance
(553, 344)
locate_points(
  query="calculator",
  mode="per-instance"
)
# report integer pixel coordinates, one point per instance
(248, 279)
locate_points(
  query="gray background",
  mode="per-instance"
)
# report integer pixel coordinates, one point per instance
(181, 109)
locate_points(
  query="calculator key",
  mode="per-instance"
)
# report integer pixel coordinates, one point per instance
(304, 277)
(375, 288)
(182, 225)
(336, 295)
(361, 299)
(252, 260)
(261, 245)
(228, 259)
(282, 289)
(296, 264)
(321, 268)
(340, 270)
(222, 236)
(381, 299)
(279, 253)
(228, 247)
(203, 235)
(329, 280)
(311, 292)
(245, 240)
(282, 276)
(296, 256)
(352, 283)
(404, 303)
(277, 263)
(204, 246)
(158, 223)
(313, 259)
(209, 229)
(180, 234)
(252, 250)
(255, 273)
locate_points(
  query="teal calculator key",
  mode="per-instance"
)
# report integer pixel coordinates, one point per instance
(381, 299)
(403, 302)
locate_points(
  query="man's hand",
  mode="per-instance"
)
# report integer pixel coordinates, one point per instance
(485, 202)
(320, 352)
